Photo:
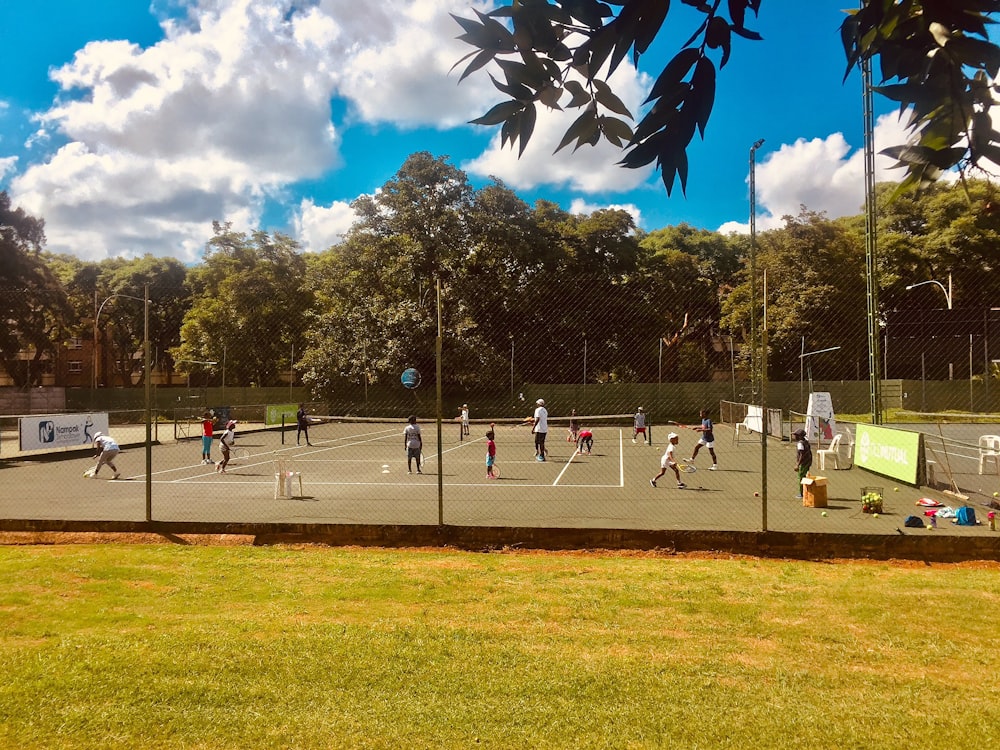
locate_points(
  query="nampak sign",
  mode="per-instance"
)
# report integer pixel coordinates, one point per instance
(891, 453)
(60, 430)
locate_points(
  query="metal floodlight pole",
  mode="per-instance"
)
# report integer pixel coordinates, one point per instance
(753, 327)
(147, 377)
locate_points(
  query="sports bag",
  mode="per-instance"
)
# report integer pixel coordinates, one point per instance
(965, 516)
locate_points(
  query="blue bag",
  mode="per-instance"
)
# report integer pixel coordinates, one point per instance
(965, 516)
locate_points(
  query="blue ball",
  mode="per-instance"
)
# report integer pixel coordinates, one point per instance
(410, 378)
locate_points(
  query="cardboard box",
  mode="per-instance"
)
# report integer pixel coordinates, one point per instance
(814, 492)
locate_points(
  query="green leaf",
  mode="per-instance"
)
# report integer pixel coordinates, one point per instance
(616, 131)
(673, 73)
(608, 99)
(703, 92)
(579, 94)
(517, 91)
(526, 127)
(652, 15)
(499, 113)
(582, 129)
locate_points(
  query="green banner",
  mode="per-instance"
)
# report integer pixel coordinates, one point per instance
(892, 453)
(276, 411)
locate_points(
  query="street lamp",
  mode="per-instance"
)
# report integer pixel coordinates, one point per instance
(802, 358)
(97, 317)
(947, 291)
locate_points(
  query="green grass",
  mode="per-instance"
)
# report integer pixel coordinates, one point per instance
(220, 647)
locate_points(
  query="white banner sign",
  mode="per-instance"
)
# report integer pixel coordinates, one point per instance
(60, 430)
(821, 424)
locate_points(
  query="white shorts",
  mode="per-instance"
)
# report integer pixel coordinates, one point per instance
(665, 462)
(702, 441)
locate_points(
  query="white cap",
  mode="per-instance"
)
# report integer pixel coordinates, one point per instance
(640, 408)
(231, 423)
(540, 402)
(465, 406)
(98, 434)
(672, 435)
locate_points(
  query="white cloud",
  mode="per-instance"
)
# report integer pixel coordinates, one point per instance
(580, 206)
(230, 108)
(318, 227)
(823, 174)
(7, 164)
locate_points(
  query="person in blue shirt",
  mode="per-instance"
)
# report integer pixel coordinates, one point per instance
(707, 439)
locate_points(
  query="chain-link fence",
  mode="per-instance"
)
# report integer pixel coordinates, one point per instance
(612, 370)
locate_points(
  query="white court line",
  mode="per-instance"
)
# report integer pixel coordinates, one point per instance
(414, 483)
(621, 458)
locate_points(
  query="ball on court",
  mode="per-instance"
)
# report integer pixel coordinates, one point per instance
(996, 494)
(895, 489)
(823, 514)
(410, 378)
(874, 515)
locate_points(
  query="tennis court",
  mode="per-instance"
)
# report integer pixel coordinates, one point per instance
(355, 473)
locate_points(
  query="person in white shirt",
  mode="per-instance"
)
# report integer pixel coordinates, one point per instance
(540, 427)
(667, 461)
(465, 419)
(226, 443)
(107, 449)
(414, 444)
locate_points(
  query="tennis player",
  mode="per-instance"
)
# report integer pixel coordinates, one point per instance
(707, 439)
(107, 449)
(491, 454)
(414, 444)
(667, 461)
(207, 428)
(639, 425)
(585, 441)
(226, 445)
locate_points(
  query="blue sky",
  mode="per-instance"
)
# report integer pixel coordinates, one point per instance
(130, 126)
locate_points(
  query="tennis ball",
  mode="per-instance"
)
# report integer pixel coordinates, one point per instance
(823, 514)
(996, 494)
(874, 515)
(895, 489)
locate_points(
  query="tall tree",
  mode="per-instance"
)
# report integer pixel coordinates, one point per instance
(248, 309)
(33, 303)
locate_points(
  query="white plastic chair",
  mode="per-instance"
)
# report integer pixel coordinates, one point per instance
(284, 479)
(989, 449)
(832, 452)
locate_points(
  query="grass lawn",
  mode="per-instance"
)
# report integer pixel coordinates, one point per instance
(169, 646)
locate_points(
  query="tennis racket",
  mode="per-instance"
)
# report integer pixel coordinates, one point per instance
(677, 424)
(242, 454)
(90, 472)
(496, 471)
(684, 468)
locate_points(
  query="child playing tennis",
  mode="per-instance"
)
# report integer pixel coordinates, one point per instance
(667, 461)
(207, 425)
(414, 444)
(226, 443)
(491, 453)
(574, 427)
(639, 425)
(803, 458)
(585, 441)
